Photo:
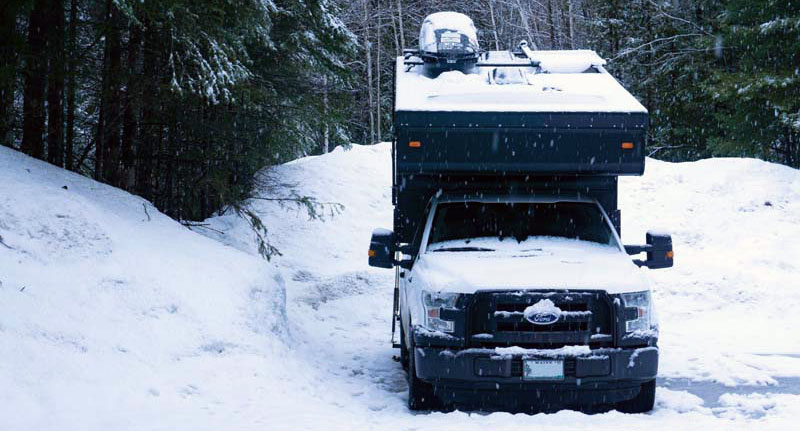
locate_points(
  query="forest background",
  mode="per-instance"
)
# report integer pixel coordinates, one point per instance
(183, 101)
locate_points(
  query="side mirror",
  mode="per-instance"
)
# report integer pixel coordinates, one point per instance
(659, 254)
(658, 249)
(381, 249)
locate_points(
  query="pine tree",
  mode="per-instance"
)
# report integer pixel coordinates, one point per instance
(35, 80)
(11, 44)
(757, 90)
(55, 84)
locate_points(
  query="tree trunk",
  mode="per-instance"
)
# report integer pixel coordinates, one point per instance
(523, 16)
(551, 22)
(537, 33)
(326, 132)
(100, 138)
(368, 48)
(55, 84)
(400, 25)
(131, 102)
(571, 24)
(378, 76)
(398, 50)
(69, 143)
(9, 46)
(35, 71)
(494, 25)
(151, 107)
(109, 135)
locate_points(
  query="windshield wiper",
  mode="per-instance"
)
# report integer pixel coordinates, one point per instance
(464, 249)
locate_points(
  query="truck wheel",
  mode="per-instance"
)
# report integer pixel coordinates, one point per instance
(420, 394)
(643, 402)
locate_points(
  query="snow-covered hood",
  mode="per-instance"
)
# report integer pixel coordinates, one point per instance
(579, 265)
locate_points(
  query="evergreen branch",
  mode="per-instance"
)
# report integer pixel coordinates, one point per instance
(2, 242)
(665, 147)
(685, 21)
(191, 224)
(627, 51)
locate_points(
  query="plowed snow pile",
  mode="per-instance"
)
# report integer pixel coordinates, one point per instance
(113, 316)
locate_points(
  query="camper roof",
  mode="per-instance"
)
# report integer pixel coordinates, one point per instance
(543, 81)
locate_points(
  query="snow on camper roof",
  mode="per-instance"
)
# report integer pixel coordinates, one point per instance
(564, 81)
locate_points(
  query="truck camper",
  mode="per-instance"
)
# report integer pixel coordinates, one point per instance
(513, 290)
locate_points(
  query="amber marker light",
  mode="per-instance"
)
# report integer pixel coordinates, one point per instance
(415, 144)
(627, 145)
(670, 254)
(371, 253)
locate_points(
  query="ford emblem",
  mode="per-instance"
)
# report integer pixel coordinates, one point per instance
(543, 318)
(544, 312)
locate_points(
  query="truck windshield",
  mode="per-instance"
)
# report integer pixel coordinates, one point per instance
(455, 224)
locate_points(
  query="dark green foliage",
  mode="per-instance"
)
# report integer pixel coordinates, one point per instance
(180, 101)
(240, 86)
(12, 43)
(756, 87)
(663, 53)
(719, 78)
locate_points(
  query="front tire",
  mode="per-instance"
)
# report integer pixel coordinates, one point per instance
(643, 402)
(421, 395)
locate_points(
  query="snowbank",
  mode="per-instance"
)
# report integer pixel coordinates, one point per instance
(112, 315)
(733, 296)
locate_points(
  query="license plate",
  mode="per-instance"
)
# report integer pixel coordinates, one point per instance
(543, 369)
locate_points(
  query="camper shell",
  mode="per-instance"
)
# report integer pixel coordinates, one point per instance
(512, 125)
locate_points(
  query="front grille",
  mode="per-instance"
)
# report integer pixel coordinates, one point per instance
(498, 319)
(520, 307)
(530, 327)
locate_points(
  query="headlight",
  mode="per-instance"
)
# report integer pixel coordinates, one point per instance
(432, 303)
(637, 311)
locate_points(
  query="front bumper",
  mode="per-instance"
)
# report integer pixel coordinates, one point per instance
(604, 376)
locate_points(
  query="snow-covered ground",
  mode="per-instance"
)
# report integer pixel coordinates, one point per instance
(113, 316)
